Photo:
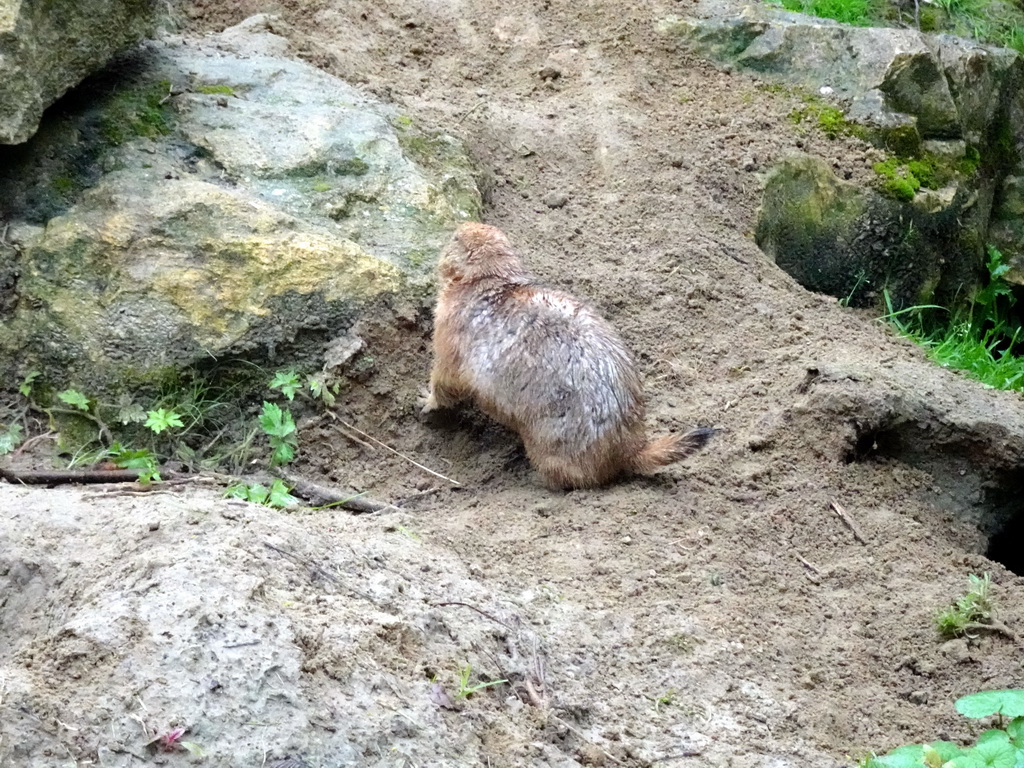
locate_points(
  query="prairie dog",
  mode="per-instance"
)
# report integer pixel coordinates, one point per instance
(543, 363)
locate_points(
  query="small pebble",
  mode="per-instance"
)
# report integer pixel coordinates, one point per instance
(555, 199)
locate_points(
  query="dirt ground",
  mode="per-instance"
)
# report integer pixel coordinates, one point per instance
(719, 613)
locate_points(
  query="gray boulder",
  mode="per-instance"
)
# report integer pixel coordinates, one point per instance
(950, 105)
(48, 47)
(253, 210)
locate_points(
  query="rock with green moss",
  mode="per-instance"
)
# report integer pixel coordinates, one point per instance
(950, 115)
(273, 205)
(839, 238)
(49, 46)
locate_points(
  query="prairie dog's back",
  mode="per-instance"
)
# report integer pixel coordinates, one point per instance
(540, 358)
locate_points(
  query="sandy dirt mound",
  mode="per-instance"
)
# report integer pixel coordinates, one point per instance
(719, 613)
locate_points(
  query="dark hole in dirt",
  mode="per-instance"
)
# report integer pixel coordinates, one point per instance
(1004, 544)
(962, 484)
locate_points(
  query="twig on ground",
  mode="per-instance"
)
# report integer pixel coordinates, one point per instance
(320, 495)
(473, 607)
(994, 626)
(842, 515)
(392, 450)
(65, 476)
(416, 496)
(807, 565)
(33, 440)
(354, 438)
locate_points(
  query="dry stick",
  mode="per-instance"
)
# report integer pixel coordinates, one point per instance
(33, 440)
(481, 612)
(841, 513)
(806, 564)
(354, 438)
(392, 450)
(995, 626)
(64, 476)
(320, 495)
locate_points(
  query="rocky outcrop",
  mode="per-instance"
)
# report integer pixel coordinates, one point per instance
(48, 47)
(234, 202)
(944, 106)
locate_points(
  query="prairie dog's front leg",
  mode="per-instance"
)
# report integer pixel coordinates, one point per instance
(444, 392)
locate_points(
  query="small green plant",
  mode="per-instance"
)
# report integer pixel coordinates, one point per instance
(141, 459)
(279, 426)
(980, 339)
(667, 698)
(1000, 747)
(277, 495)
(287, 382)
(970, 611)
(74, 398)
(466, 688)
(10, 438)
(320, 386)
(162, 419)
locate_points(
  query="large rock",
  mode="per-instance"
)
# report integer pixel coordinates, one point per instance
(241, 204)
(836, 237)
(951, 103)
(49, 46)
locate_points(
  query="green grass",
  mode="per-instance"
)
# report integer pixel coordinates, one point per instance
(980, 339)
(859, 13)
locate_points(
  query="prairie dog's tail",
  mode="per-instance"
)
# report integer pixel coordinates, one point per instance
(671, 448)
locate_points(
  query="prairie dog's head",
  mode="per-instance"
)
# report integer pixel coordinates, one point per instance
(476, 251)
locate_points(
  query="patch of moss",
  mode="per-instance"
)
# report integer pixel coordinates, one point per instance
(63, 185)
(137, 112)
(353, 166)
(897, 181)
(220, 90)
(830, 120)
(901, 140)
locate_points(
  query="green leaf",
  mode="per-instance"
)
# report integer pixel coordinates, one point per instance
(10, 438)
(237, 491)
(148, 476)
(910, 756)
(993, 754)
(322, 391)
(1008, 703)
(75, 398)
(997, 735)
(283, 452)
(946, 750)
(26, 384)
(130, 459)
(129, 412)
(162, 419)
(276, 421)
(279, 495)
(258, 493)
(288, 382)
(1015, 730)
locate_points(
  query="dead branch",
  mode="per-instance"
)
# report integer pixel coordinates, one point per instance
(66, 476)
(842, 515)
(321, 495)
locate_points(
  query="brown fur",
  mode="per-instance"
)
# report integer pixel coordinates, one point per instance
(543, 363)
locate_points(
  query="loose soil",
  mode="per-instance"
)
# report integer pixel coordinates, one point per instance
(718, 613)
